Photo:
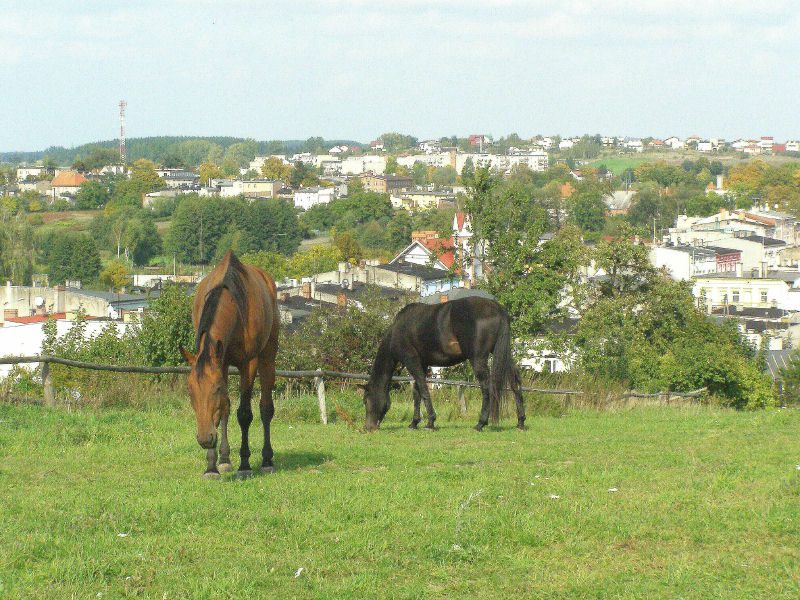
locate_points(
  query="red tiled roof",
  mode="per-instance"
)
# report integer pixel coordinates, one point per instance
(436, 244)
(68, 179)
(460, 218)
(37, 318)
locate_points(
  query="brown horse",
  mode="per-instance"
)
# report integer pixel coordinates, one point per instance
(235, 313)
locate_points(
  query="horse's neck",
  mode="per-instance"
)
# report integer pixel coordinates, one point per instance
(384, 364)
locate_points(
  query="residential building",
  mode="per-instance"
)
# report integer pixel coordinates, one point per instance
(430, 146)
(369, 163)
(261, 188)
(618, 202)
(684, 262)
(384, 184)
(66, 184)
(29, 171)
(178, 178)
(716, 290)
(305, 198)
(420, 200)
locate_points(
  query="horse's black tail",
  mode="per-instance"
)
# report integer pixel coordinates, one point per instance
(503, 371)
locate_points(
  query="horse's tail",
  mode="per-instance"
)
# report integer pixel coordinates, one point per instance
(503, 371)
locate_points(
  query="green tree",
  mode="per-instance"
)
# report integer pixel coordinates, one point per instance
(419, 173)
(92, 194)
(525, 275)
(588, 209)
(144, 175)
(165, 326)
(274, 168)
(444, 176)
(115, 276)
(141, 239)
(348, 247)
(208, 171)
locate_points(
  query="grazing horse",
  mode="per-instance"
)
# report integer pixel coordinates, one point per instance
(235, 313)
(442, 335)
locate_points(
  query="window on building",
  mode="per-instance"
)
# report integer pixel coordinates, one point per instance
(735, 296)
(764, 297)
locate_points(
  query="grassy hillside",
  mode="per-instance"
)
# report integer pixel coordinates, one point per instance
(643, 503)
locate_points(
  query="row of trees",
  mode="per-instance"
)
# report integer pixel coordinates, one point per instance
(203, 229)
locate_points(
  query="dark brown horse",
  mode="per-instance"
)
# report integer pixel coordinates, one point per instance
(442, 335)
(235, 313)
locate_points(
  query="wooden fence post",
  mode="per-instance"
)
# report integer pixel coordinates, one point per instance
(323, 410)
(462, 405)
(47, 384)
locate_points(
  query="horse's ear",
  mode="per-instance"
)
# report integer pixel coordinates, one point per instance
(220, 349)
(187, 356)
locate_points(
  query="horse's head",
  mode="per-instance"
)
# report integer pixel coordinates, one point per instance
(208, 390)
(377, 402)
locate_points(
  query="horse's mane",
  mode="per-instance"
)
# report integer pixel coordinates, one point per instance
(233, 281)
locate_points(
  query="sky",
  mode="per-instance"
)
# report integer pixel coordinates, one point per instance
(355, 69)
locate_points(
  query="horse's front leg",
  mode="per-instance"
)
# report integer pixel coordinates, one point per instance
(211, 464)
(224, 446)
(418, 372)
(417, 401)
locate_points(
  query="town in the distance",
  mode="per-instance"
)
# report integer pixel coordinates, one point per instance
(101, 228)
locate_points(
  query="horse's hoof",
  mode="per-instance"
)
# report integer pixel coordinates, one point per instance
(430, 427)
(210, 475)
(521, 426)
(244, 474)
(268, 470)
(478, 428)
(224, 467)
(413, 426)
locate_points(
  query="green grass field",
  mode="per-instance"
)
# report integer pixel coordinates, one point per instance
(629, 503)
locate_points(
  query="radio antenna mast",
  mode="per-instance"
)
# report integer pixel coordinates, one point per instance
(122, 105)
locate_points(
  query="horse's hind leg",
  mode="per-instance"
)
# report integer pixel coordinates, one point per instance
(481, 370)
(516, 387)
(245, 415)
(417, 400)
(266, 370)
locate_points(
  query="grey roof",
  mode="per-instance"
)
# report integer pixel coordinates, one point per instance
(423, 272)
(788, 276)
(455, 294)
(360, 289)
(765, 241)
(760, 313)
(720, 250)
(694, 250)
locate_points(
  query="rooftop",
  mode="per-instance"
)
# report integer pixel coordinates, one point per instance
(423, 272)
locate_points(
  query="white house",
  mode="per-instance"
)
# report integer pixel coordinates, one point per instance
(66, 184)
(565, 144)
(675, 143)
(635, 145)
(31, 171)
(684, 262)
(430, 146)
(356, 165)
(750, 292)
(307, 197)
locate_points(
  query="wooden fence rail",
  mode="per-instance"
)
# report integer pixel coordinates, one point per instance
(318, 376)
